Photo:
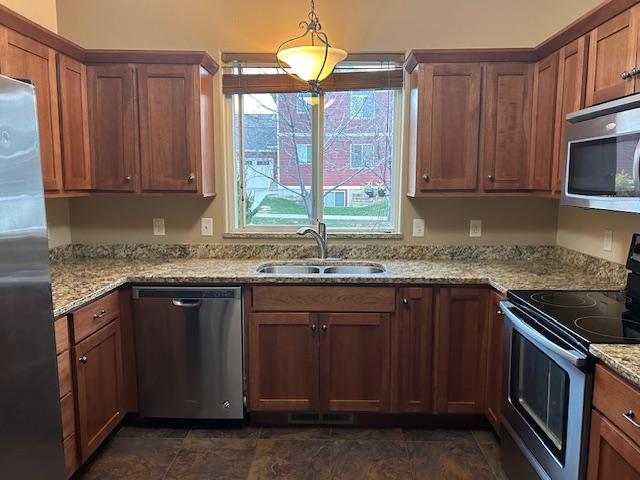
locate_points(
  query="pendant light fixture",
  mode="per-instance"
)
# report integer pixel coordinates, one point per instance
(310, 63)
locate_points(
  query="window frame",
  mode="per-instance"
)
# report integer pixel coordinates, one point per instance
(234, 216)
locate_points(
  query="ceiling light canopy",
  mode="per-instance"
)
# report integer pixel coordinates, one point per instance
(311, 63)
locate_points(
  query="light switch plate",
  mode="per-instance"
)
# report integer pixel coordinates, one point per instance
(206, 227)
(475, 228)
(418, 227)
(158, 226)
(607, 244)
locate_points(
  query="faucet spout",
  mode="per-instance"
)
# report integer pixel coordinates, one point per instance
(319, 236)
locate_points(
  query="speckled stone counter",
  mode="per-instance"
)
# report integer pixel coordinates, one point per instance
(622, 359)
(78, 281)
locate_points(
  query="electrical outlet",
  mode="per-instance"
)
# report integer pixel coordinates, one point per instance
(206, 227)
(475, 228)
(158, 226)
(607, 245)
(418, 227)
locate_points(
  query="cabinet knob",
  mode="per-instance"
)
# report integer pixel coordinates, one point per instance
(624, 75)
(83, 359)
(426, 177)
(127, 179)
(634, 71)
(499, 313)
(314, 327)
(405, 301)
(324, 327)
(191, 178)
(490, 178)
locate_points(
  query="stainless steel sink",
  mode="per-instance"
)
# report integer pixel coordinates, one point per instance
(289, 269)
(354, 269)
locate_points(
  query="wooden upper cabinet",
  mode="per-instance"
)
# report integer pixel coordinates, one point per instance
(24, 58)
(415, 347)
(460, 350)
(282, 361)
(74, 119)
(611, 453)
(355, 366)
(113, 127)
(445, 125)
(506, 126)
(572, 64)
(169, 127)
(612, 56)
(100, 388)
(545, 77)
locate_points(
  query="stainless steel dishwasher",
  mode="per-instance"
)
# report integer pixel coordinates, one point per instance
(189, 351)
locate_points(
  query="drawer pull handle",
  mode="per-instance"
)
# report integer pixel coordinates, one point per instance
(99, 315)
(83, 359)
(631, 416)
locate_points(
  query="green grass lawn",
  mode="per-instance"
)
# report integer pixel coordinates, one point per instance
(284, 205)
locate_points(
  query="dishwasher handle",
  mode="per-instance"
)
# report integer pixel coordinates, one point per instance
(187, 303)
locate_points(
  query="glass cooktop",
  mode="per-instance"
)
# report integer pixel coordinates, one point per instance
(588, 316)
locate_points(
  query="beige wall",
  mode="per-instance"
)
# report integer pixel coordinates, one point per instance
(39, 11)
(58, 221)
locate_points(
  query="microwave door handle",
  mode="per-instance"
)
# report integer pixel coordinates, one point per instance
(572, 356)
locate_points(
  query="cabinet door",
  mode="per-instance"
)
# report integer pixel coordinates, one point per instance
(283, 361)
(98, 367)
(74, 117)
(545, 77)
(169, 127)
(24, 58)
(448, 126)
(611, 453)
(113, 128)
(460, 356)
(612, 55)
(495, 348)
(415, 346)
(570, 97)
(506, 125)
(355, 362)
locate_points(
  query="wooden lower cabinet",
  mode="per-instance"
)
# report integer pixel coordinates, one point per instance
(99, 383)
(283, 361)
(495, 355)
(460, 350)
(355, 362)
(414, 350)
(611, 453)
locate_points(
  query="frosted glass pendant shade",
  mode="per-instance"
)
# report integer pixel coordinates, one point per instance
(307, 61)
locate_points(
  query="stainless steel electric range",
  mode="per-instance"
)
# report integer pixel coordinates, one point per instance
(548, 371)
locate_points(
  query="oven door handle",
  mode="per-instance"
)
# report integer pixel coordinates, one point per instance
(572, 356)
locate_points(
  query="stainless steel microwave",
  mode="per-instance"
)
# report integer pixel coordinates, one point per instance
(602, 170)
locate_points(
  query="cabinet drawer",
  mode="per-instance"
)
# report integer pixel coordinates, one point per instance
(94, 316)
(70, 455)
(61, 327)
(68, 415)
(613, 397)
(64, 373)
(323, 299)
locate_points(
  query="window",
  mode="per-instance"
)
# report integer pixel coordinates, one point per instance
(304, 152)
(301, 103)
(361, 156)
(362, 105)
(352, 186)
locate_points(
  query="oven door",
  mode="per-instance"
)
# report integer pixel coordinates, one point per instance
(548, 397)
(603, 163)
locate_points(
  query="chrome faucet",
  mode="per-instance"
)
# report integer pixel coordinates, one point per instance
(320, 237)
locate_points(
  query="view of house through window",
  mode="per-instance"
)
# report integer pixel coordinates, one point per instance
(274, 170)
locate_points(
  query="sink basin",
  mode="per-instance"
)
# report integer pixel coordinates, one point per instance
(319, 270)
(288, 269)
(354, 269)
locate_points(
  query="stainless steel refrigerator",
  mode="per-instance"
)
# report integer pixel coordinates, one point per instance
(30, 425)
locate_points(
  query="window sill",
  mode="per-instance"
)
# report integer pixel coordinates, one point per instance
(292, 235)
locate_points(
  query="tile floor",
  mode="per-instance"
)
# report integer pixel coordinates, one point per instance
(139, 453)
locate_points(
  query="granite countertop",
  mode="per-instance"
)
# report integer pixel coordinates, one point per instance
(76, 282)
(622, 359)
